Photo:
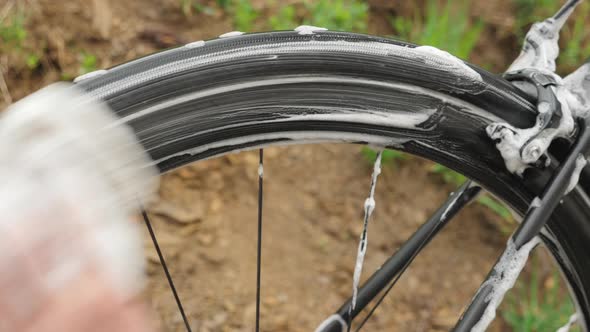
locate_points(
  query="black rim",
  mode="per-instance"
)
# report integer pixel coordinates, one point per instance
(454, 135)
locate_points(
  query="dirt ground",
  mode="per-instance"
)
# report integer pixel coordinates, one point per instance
(313, 202)
(206, 216)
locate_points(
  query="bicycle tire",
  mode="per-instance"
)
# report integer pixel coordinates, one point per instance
(208, 98)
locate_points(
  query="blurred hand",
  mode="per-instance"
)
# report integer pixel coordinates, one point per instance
(54, 277)
(88, 304)
(70, 257)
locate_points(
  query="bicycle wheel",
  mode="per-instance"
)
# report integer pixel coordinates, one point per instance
(209, 98)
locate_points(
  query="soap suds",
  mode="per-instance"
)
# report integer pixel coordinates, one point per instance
(195, 44)
(573, 319)
(453, 74)
(446, 211)
(91, 74)
(509, 140)
(575, 177)
(231, 34)
(383, 118)
(308, 29)
(576, 91)
(436, 57)
(329, 320)
(362, 249)
(299, 137)
(540, 47)
(523, 147)
(536, 202)
(503, 277)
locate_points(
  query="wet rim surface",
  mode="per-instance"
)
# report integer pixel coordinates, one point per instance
(458, 146)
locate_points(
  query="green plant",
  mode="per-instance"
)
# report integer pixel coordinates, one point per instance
(448, 175)
(496, 206)
(12, 30)
(577, 47)
(529, 11)
(285, 19)
(444, 26)
(388, 156)
(244, 15)
(188, 6)
(345, 15)
(13, 35)
(223, 3)
(534, 305)
(88, 63)
(32, 61)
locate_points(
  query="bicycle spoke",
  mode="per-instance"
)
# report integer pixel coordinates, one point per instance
(395, 266)
(259, 247)
(369, 207)
(165, 267)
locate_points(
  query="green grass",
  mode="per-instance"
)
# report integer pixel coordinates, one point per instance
(33, 61)
(577, 46)
(448, 175)
(389, 157)
(285, 19)
(496, 206)
(529, 11)
(88, 63)
(446, 26)
(244, 15)
(223, 3)
(13, 35)
(536, 305)
(12, 31)
(451, 177)
(344, 15)
(188, 7)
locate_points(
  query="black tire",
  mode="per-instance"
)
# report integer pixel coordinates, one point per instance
(206, 99)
